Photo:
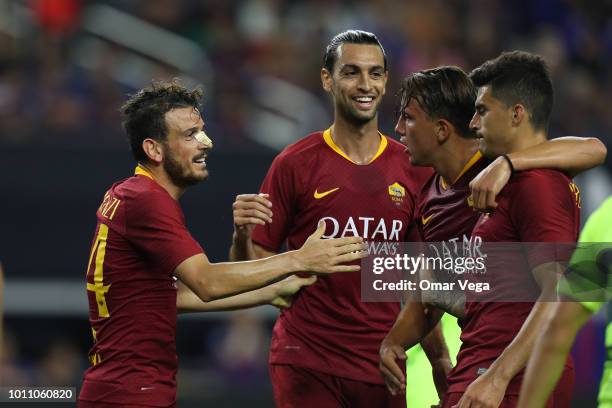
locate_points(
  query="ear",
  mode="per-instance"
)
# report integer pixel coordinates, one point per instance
(326, 80)
(519, 114)
(442, 129)
(153, 150)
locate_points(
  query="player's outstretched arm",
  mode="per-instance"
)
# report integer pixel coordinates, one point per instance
(211, 281)
(489, 388)
(249, 210)
(278, 294)
(550, 353)
(571, 155)
(411, 326)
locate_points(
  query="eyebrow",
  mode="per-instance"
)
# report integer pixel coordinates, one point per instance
(357, 67)
(350, 66)
(194, 128)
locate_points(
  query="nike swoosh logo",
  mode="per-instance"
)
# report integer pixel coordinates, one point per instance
(426, 219)
(318, 195)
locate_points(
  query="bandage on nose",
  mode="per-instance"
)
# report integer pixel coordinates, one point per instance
(204, 139)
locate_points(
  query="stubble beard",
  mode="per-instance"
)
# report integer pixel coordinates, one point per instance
(180, 175)
(354, 117)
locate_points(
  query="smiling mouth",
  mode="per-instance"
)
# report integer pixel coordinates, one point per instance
(364, 101)
(200, 160)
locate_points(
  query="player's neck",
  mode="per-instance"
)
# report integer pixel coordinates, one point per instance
(161, 177)
(359, 143)
(454, 156)
(526, 139)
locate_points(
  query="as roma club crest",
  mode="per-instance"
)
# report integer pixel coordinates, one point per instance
(397, 192)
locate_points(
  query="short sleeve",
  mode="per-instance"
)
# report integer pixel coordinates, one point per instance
(280, 185)
(544, 211)
(155, 225)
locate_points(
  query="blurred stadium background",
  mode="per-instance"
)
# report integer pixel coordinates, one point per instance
(66, 66)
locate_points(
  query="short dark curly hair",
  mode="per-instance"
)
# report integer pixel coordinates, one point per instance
(143, 112)
(519, 77)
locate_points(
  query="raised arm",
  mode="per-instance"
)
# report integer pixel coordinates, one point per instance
(211, 281)
(244, 249)
(571, 155)
(249, 210)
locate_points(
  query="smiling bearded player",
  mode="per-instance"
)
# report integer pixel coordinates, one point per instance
(141, 246)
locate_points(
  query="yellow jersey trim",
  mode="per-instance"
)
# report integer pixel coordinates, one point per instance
(467, 166)
(330, 142)
(143, 172)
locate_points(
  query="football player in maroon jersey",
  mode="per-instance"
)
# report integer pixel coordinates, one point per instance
(436, 107)
(141, 244)
(324, 348)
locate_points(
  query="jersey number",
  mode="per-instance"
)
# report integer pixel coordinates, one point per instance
(98, 287)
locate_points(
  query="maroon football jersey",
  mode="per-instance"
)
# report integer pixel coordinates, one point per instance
(328, 328)
(140, 239)
(535, 206)
(446, 212)
(446, 216)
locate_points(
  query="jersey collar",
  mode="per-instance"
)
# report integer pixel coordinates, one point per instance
(467, 166)
(141, 171)
(330, 142)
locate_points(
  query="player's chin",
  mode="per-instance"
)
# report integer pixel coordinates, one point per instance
(203, 176)
(484, 148)
(417, 161)
(365, 116)
(408, 152)
(198, 176)
(199, 172)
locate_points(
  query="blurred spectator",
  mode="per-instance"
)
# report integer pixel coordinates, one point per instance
(242, 348)
(61, 366)
(12, 371)
(60, 83)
